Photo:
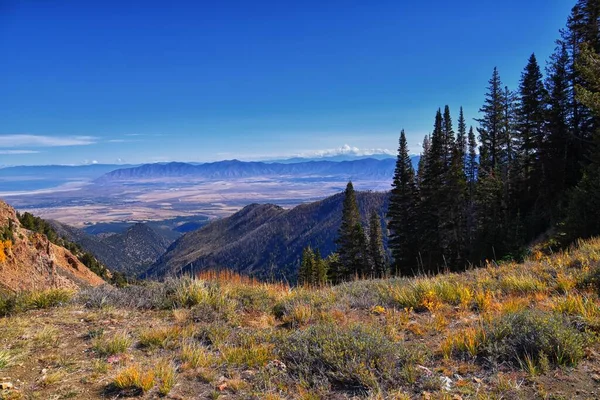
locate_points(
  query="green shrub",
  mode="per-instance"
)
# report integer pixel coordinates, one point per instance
(355, 358)
(532, 336)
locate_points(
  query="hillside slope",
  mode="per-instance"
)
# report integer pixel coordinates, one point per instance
(129, 252)
(31, 262)
(504, 331)
(262, 240)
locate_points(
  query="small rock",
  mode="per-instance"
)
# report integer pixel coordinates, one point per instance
(248, 374)
(277, 365)
(595, 377)
(446, 383)
(44, 371)
(6, 385)
(426, 370)
(222, 386)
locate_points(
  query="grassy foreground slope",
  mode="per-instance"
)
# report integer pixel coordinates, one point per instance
(504, 331)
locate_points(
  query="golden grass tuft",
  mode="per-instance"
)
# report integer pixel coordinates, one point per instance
(133, 377)
(196, 356)
(161, 337)
(165, 375)
(117, 344)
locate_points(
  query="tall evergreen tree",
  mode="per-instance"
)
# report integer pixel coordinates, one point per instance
(491, 129)
(471, 176)
(584, 208)
(433, 200)
(472, 164)
(461, 137)
(306, 267)
(320, 270)
(376, 249)
(531, 132)
(402, 213)
(448, 140)
(351, 238)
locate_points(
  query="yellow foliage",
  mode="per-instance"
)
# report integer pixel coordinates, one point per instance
(5, 247)
(431, 301)
(133, 378)
(378, 310)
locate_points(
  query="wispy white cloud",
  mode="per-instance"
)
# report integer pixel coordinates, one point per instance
(11, 141)
(345, 150)
(18, 152)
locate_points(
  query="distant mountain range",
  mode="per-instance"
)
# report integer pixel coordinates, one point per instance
(364, 168)
(265, 240)
(334, 158)
(341, 167)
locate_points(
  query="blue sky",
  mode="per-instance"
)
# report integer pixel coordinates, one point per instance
(143, 81)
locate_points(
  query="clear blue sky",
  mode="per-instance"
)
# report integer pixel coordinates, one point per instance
(143, 81)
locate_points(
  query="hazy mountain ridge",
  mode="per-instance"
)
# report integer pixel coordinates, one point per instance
(367, 168)
(263, 240)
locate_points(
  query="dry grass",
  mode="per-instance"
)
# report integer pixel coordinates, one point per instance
(229, 336)
(136, 378)
(117, 344)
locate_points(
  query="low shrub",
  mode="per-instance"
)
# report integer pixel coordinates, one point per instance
(357, 358)
(532, 337)
(12, 303)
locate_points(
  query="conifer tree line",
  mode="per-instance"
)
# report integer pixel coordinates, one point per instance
(531, 166)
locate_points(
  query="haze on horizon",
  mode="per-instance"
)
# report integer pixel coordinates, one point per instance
(86, 82)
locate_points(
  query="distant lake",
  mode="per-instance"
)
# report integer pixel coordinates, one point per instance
(29, 185)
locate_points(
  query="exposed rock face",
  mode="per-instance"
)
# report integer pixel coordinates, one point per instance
(31, 262)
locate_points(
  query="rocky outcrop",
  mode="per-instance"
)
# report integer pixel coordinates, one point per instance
(32, 262)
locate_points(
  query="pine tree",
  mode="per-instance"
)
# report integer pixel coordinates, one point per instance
(448, 141)
(320, 270)
(472, 165)
(376, 249)
(305, 274)
(455, 222)
(433, 201)
(361, 266)
(560, 164)
(584, 207)
(351, 238)
(461, 137)
(471, 176)
(334, 269)
(531, 131)
(402, 212)
(422, 167)
(491, 130)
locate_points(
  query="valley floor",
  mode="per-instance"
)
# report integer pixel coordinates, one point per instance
(508, 331)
